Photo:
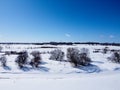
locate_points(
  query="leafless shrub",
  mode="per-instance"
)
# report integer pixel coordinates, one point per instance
(1, 48)
(105, 50)
(3, 60)
(115, 57)
(57, 55)
(78, 57)
(22, 58)
(36, 59)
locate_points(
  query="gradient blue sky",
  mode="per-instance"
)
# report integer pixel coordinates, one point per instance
(59, 20)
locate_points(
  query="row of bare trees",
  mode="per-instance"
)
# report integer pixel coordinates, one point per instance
(75, 56)
(81, 57)
(22, 59)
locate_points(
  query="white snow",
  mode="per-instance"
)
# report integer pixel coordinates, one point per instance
(55, 75)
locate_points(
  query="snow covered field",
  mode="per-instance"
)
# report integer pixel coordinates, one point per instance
(109, 81)
(54, 75)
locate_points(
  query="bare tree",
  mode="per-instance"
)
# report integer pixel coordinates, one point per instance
(21, 60)
(1, 48)
(3, 60)
(115, 57)
(36, 59)
(78, 57)
(57, 55)
(105, 50)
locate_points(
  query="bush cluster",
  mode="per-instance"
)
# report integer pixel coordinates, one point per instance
(3, 60)
(115, 57)
(36, 59)
(21, 59)
(78, 57)
(57, 55)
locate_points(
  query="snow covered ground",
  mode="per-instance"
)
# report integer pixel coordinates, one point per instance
(109, 81)
(55, 75)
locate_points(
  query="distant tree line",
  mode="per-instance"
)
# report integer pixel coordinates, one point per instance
(65, 43)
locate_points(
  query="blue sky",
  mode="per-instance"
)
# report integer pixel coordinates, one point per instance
(59, 20)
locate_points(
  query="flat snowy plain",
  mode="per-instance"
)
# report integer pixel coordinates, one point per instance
(55, 75)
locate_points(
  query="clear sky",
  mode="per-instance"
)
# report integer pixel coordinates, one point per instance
(59, 20)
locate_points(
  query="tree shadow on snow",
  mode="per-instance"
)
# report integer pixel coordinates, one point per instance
(43, 63)
(26, 69)
(7, 68)
(117, 69)
(41, 68)
(90, 68)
